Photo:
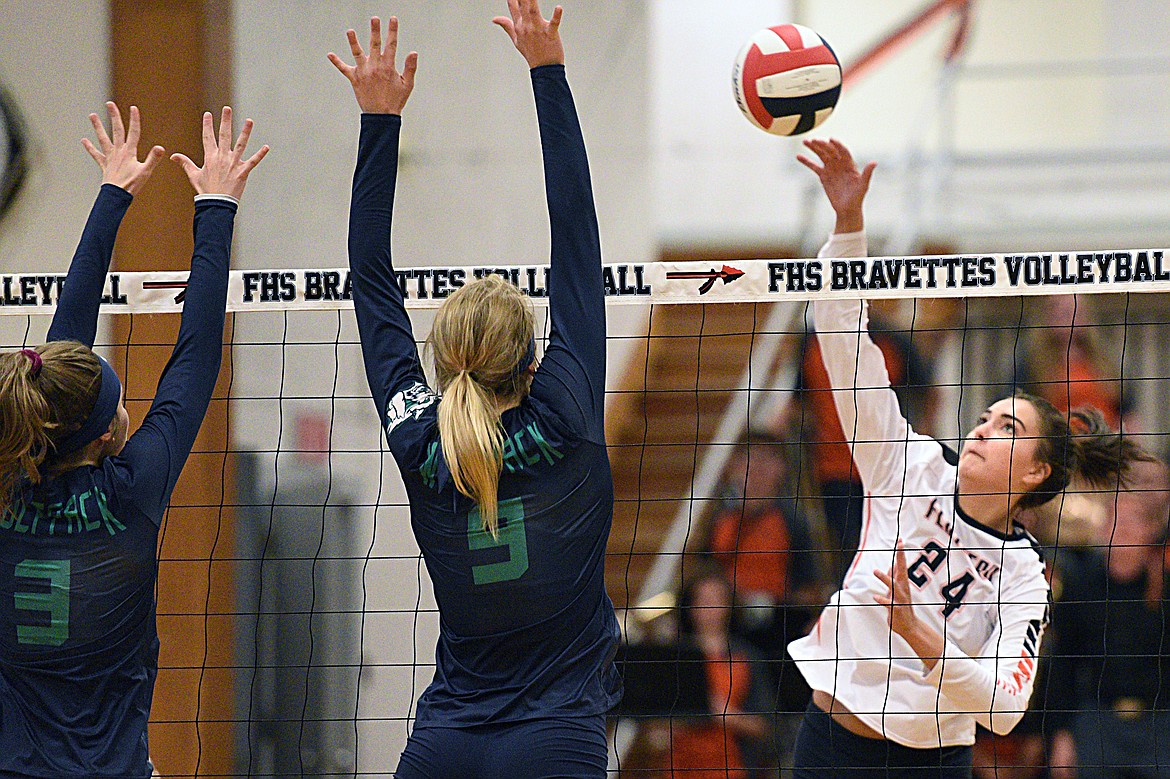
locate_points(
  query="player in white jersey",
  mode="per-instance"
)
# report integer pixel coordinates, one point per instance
(938, 622)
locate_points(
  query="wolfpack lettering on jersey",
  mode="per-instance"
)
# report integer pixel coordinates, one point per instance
(982, 590)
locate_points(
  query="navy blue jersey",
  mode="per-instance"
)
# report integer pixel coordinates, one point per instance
(78, 642)
(526, 628)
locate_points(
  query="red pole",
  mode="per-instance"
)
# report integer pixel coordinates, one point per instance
(908, 31)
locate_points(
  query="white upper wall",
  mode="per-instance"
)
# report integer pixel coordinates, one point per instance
(54, 62)
(55, 69)
(673, 161)
(717, 179)
(471, 187)
(1037, 149)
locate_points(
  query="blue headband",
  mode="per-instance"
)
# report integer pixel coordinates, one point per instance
(99, 419)
(526, 360)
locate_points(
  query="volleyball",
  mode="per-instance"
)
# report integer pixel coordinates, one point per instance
(786, 79)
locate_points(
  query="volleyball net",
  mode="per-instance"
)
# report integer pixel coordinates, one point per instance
(296, 618)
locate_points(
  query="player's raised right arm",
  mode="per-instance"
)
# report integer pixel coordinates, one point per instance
(866, 404)
(388, 347)
(576, 348)
(157, 451)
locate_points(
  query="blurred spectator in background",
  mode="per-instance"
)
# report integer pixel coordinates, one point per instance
(773, 554)
(1061, 358)
(731, 742)
(1108, 699)
(814, 416)
(763, 543)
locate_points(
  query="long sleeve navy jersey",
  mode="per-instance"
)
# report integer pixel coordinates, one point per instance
(526, 628)
(78, 564)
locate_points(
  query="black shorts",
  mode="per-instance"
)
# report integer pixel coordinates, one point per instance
(570, 747)
(825, 749)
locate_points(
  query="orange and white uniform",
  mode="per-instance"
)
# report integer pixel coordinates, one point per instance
(983, 590)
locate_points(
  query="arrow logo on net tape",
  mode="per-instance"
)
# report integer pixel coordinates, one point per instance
(727, 275)
(179, 285)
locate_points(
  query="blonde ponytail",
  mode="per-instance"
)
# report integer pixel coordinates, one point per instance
(473, 443)
(45, 394)
(481, 343)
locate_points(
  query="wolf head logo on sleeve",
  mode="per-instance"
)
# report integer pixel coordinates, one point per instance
(410, 402)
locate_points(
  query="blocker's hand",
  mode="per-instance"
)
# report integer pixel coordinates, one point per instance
(537, 40)
(118, 156)
(224, 171)
(377, 84)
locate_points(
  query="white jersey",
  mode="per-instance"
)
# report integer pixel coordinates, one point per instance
(983, 591)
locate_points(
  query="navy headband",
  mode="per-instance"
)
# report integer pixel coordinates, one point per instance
(99, 419)
(525, 361)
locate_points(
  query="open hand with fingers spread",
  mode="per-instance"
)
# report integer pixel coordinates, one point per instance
(117, 156)
(538, 40)
(898, 600)
(926, 642)
(377, 84)
(224, 171)
(844, 184)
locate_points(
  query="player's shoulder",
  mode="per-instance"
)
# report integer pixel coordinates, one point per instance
(1027, 542)
(560, 397)
(1028, 563)
(410, 422)
(932, 462)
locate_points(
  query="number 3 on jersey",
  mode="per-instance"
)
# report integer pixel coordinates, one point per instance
(512, 535)
(51, 597)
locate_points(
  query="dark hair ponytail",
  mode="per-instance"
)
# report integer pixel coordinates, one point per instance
(1081, 444)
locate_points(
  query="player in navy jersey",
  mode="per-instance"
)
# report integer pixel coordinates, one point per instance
(507, 475)
(81, 501)
(938, 622)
